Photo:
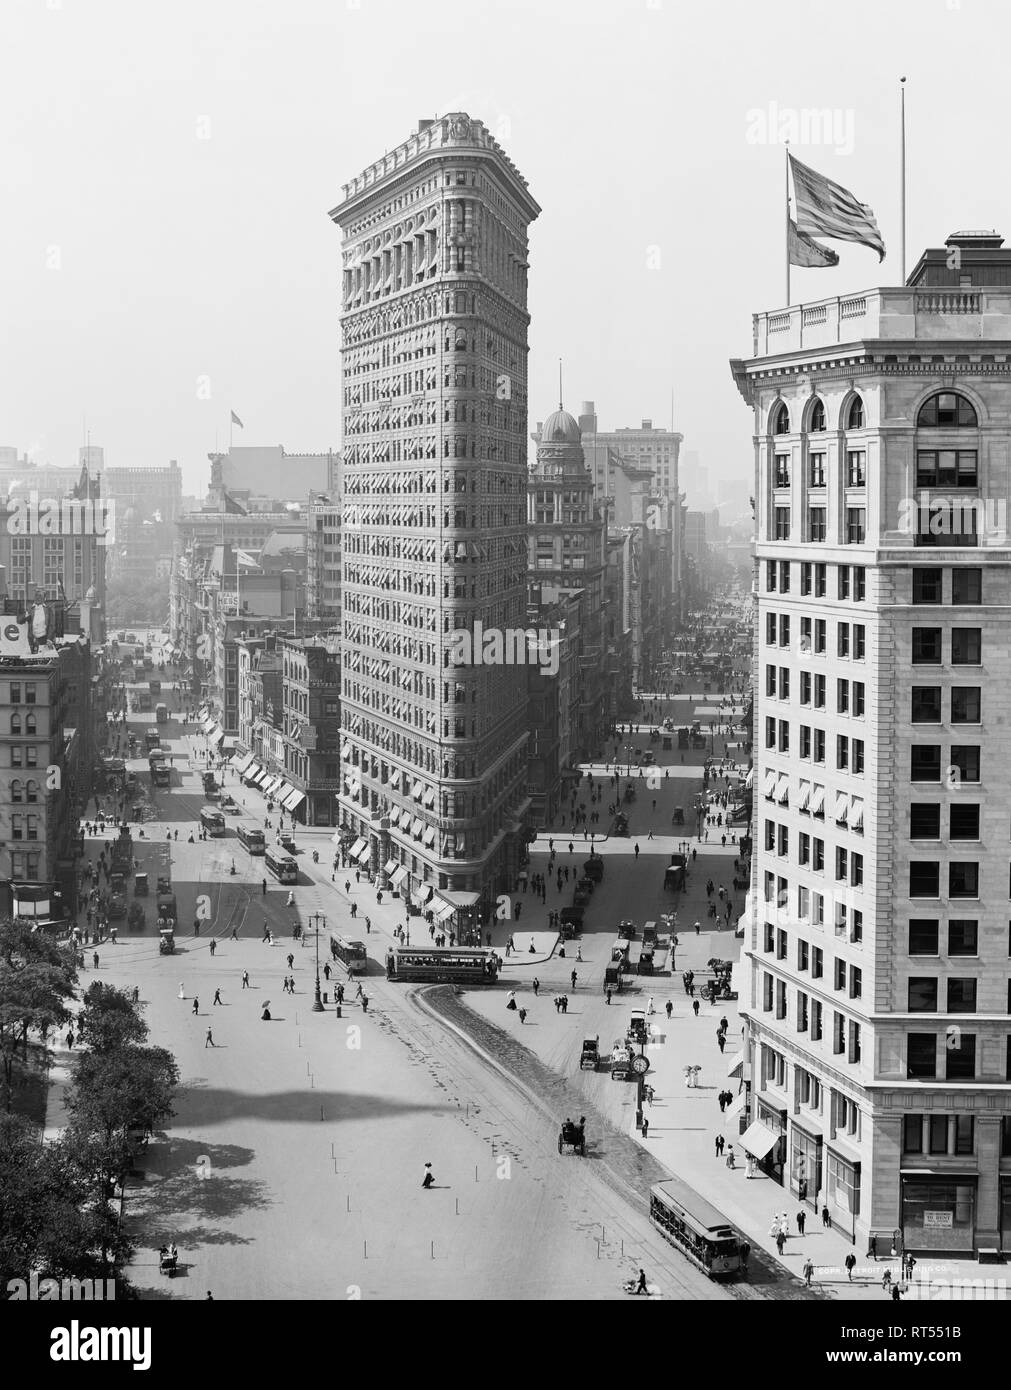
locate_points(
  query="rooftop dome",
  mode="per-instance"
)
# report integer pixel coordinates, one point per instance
(560, 428)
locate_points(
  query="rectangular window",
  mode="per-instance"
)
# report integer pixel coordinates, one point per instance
(816, 474)
(802, 955)
(963, 880)
(816, 523)
(859, 584)
(817, 963)
(924, 821)
(818, 857)
(784, 576)
(966, 585)
(803, 848)
(780, 945)
(781, 517)
(859, 641)
(770, 681)
(843, 581)
(924, 879)
(964, 1137)
(820, 579)
(841, 864)
(921, 996)
(926, 646)
(946, 468)
(784, 736)
(842, 696)
(925, 762)
(926, 704)
(805, 740)
(770, 629)
(923, 936)
(805, 687)
(782, 470)
(966, 646)
(784, 629)
(966, 704)
(965, 758)
(842, 752)
(805, 577)
(802, 1012)
(839, 976)
(921, 1056)
(770, 733)
(815, 1020)
(912, 1134)
(961, 996)
(838, 1032)
(819, 692)
(856, 468)
(963, 938)
(963, 822)
(819, 745)
(856, 525)
(783, 841)
(770, 576)
(843, 639)
(960, 1060)
(784, 682)
(927, 585)
(858, 755)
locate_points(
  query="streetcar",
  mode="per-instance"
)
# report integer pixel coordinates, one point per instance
(251, 839)
(698, 1230)
(282, 866)
(351, 954)
(212, 820)
(444, 965)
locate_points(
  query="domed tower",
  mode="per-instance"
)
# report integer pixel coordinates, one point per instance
(559, 445)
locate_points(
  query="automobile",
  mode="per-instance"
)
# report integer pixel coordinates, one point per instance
(135, 918)
(572, 917)
(649, 934)
(140, 888)
(287, 841)
(590, 1055)
(586, 885)
(164, 884)
(574, 1136)
(621, 824)
(580, 898)
(612, 977)
(637, 1029)
(649, 757)
(594, 868)
(117, 906)
(626, 931)
(621, 1060)
(644, 965)
(166, 941)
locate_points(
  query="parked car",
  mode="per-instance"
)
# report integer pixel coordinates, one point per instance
(594, 868)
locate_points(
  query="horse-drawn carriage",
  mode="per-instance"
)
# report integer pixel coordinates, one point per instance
(574, 1136)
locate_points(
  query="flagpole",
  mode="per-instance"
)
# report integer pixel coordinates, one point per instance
(787, 155)
(902, 184)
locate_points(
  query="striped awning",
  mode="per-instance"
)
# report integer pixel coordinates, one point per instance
(252, 772)
(362, 854)
(241, 762)
(294, 799)
(429, 836)
(398, 876)
(357, 847)
(443, 911)
(417, 828)
(391, 866)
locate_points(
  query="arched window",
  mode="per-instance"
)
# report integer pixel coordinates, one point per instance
(31, 790)
(947, 410)
(781, 419)
(817, 418)
(16, 794)
(855, 414)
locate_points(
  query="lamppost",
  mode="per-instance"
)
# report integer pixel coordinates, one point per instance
(317, 1003)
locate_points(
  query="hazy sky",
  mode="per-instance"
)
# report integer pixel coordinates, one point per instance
(167, 172)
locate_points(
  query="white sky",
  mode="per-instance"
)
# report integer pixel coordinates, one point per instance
(181, 258)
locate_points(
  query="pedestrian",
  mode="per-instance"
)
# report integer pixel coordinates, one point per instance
(196, 1004)
(213, 946)
(326, 972)
(721, 1040)
(695, 1007)
(245, 979)
(642, 1286)
(565, 1003)
(429, 1178)
(95, 959)
(645, 1126)
(365, 1003)
(731, 1157)
(826, 1220)
(636, 849)
(340, 994)
(808, 1271)
(780, 1242)
(607, 995)
(850, 1263)
(910, 1266)
(719, 1143)
(744, 1251)
(523, 1015)
(801, 1222)
(886, 1281)
(698, 928)
(196, 926)
(235, 933)
(670, 1009)
(872, 1248)
(217, 997)
(209, 1040)
(70, 1038)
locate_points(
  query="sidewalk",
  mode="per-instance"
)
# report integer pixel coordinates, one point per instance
(683, 1124)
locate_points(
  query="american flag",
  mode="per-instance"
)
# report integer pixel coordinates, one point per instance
(827, 209)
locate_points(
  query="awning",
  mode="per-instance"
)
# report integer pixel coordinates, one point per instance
(769, 783)
(427, 894)
(252, 772)
(270, 784)
(241, 761)
(283, 789)
(216, 733)
(758, 1139)
(207, 725)
(293, 800)
(430, 797)
(395, 777)
(462, 899)
(842, 806)
(737, 1105)
(391, 866)
(416, 790)
(398, 876)
(429, 837)
(805, 796)
(818, 801)
(443, 911)
(362, 854)
(735, 1065)
(229, 744)
(857, 816)
(357, 847)
(417, 827)
(783, 789)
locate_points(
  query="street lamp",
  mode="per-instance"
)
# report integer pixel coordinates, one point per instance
(317, 1003)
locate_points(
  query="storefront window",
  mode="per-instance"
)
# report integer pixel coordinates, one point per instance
(844, 1184)
(938, 1214)
(805, 1165)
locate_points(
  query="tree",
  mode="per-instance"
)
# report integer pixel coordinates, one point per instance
(127, 1089)
(110, 1019)
(51, 1225)
(37, 976)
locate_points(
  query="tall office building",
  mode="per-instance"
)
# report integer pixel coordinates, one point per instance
(879, 1004)
(434, 365)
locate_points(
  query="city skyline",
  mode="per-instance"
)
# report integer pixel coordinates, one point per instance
(190, 191)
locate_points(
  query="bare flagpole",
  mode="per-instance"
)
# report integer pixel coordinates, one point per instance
(902, 184)
(787, 149)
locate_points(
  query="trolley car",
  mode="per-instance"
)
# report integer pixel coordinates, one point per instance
(698, 1230)
(457, 965)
